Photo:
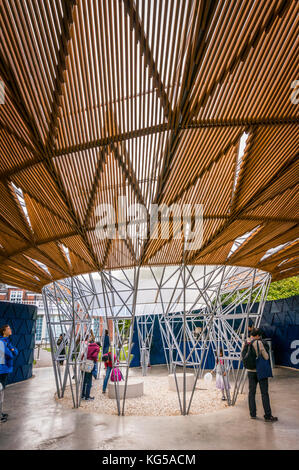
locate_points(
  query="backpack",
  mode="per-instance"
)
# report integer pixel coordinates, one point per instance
(249, 357)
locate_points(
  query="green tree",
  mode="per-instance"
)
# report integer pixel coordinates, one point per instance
(277, 290)
(284, 288)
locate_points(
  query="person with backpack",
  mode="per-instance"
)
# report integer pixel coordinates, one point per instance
(255, 350)
(7, 354)
(92, 355)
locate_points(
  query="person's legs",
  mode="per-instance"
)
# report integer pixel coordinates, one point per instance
(265, 397)
(84, 386)
(95, 371)
(88, 381)
(106, 379)
(252, 381)
(3, 380)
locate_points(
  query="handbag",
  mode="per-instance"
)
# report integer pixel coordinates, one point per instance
(87, 366)
(116, 375)
(263, 366)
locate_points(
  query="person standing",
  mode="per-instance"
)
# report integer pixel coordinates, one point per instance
(107, 358)
(252, 348)
(92, 355)
(7, 354)
(222, 382)
(62, 352)
(106, 343)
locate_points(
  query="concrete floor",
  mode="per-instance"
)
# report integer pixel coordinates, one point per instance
(37, 421)
(43, 358)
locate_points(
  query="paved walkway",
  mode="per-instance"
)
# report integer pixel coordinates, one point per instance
(37, 421)
(43, 358)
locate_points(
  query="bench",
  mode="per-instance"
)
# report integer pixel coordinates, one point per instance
(134, 389)
(189, 382)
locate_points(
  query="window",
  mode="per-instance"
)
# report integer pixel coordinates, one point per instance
(16, 296)
(39, 328)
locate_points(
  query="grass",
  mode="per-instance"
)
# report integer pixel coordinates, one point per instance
(122, 356)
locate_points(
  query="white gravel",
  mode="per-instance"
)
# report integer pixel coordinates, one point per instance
(157, 400)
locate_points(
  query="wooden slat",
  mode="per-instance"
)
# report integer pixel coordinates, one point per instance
(147, 100)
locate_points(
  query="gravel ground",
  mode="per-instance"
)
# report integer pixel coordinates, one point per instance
(156, 401)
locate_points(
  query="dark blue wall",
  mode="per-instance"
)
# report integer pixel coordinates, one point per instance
(157, 350)
(22, 320)
(280, 322)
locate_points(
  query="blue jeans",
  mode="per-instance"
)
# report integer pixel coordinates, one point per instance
(108, 372)
(94, 371)
(3, 380)
(87, 384)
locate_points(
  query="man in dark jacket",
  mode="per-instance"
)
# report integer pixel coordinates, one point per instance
(7, 354)
(257, 345)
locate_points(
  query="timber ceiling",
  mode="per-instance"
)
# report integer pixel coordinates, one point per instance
(153, 100)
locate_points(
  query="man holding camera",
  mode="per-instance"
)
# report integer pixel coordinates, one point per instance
(254, 348)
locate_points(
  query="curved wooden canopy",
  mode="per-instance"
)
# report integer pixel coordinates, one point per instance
(154, 101)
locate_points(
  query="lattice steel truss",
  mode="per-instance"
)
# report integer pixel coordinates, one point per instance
(222, 324)
(145, 328)
(201, 309)
(74, 323)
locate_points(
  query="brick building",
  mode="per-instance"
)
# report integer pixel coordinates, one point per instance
(14, 294)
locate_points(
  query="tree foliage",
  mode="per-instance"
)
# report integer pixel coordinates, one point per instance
(277, 290)
(284, 288)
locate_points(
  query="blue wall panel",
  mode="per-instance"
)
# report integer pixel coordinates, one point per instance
(22, 320)
(157, 351)
(280, 322)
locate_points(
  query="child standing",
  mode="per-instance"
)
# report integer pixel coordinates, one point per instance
(222, 382)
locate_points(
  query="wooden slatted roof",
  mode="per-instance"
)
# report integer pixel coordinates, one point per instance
(149, 100)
